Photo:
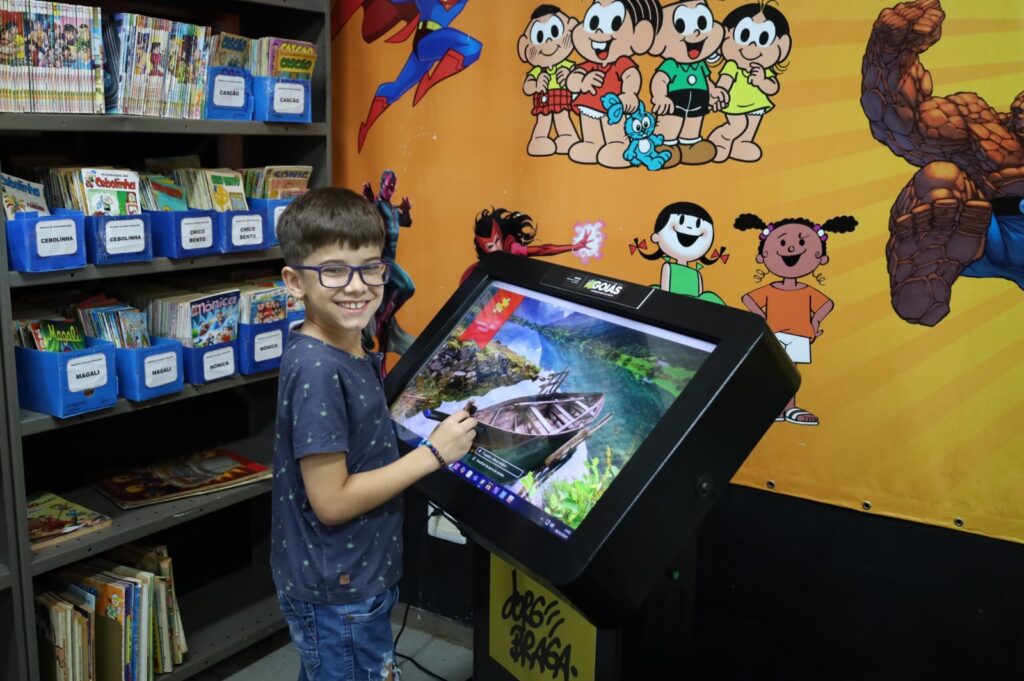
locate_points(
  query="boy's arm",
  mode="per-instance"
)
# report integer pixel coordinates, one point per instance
(337, 496)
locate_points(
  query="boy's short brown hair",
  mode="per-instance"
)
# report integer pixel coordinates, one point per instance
(328, 216)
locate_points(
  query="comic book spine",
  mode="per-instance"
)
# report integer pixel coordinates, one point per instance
(96, 40)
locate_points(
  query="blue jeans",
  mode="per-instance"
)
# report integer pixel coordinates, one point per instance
(350, 642)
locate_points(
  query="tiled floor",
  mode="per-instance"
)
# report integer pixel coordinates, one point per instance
(275, 659)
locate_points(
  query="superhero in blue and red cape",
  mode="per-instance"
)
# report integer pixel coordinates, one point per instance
(438, 50)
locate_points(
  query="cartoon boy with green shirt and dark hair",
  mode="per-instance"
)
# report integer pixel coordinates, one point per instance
(547, 45)
(682, 91)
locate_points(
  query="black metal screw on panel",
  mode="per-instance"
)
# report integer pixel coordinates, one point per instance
(959, 522)
(771, 484)
(705, 486)
(866, 505)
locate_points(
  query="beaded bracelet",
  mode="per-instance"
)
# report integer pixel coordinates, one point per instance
(437, 455)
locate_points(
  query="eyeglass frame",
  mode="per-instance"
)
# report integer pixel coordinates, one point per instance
(352, 269)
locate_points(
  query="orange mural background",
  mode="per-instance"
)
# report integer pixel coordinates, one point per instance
(916, 422)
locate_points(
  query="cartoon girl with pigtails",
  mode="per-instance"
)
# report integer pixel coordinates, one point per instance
(791, 249)
(683, 234)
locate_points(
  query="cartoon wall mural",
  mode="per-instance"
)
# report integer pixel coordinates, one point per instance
(683, 234)
(962, 212)
(546, 45)
(682, 91)
(391, 337)
(756, 45)
(919, 419)
(438, 50)
(790, 249)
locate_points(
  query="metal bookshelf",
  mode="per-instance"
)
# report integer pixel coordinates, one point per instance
(238, 608)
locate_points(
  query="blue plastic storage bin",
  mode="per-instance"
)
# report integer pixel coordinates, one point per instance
(184, 234)
(271, 210)
(67, 383)
(145, 373)
(117, 239)
(281, 100)
(212, 363)
(260, 346)
(241, 230)
(44, 243)
(228, 94)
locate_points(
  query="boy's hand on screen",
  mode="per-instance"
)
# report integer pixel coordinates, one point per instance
(454, 436)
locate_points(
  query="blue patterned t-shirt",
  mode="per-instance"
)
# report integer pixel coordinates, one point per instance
(330, 401)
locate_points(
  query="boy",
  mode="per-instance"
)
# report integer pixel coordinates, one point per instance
(337, 512)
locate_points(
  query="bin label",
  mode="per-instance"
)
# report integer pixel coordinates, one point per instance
(161, 369)
(196, 233)
(125, 236)
(87, 373)
(56, 237)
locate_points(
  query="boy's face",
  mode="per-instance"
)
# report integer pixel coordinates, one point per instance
(547, 40)
(755, 40)
(340, 313)
(689, 33)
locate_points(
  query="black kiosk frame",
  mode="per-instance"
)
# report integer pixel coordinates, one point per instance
(607, 566)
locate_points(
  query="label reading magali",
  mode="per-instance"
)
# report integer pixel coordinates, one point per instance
(289, 98)
(87, 373)
(277, 216)
(125, 236)
(56, 237)
(218, 363)
(196, 233)
(229, 91)
(268, 345)
(246, 230)
(160, 369)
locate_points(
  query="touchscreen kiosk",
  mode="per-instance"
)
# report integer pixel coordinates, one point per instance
(610, 414)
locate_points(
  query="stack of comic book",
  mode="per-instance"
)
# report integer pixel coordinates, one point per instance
(115, 617)
(51, 57)
(157, 67)
(276, 182)
(281, 58)
(94, 191)
(107, 318)
(162, 193)
(21, 195)
(217, 189)
(196, 318)
(48, 334)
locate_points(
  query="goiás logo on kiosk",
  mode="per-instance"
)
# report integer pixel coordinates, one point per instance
(602, 286)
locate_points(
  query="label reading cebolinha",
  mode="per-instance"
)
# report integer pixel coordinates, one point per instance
(196, 233)
(229, 91)
(246, 230)
(56, 237)
(289, 98)
(268, 345)
(125, 236)
(218, 363)
(87, 373)
(160, 369)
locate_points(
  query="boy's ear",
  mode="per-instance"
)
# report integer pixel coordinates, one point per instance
(293, 281)
(643, 37)
(661, 38)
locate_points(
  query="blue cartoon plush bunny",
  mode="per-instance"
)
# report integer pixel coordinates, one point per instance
(639, 126)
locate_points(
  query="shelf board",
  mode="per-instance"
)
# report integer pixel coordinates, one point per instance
(155, 266)
(33, 422)
(46, 122)
(225, 617)
(308, 5)
(5, 577)
(130, 524)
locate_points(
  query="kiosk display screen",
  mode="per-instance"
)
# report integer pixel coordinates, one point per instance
(564, 394)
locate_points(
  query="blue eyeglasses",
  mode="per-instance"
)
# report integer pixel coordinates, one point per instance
(340, 276)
